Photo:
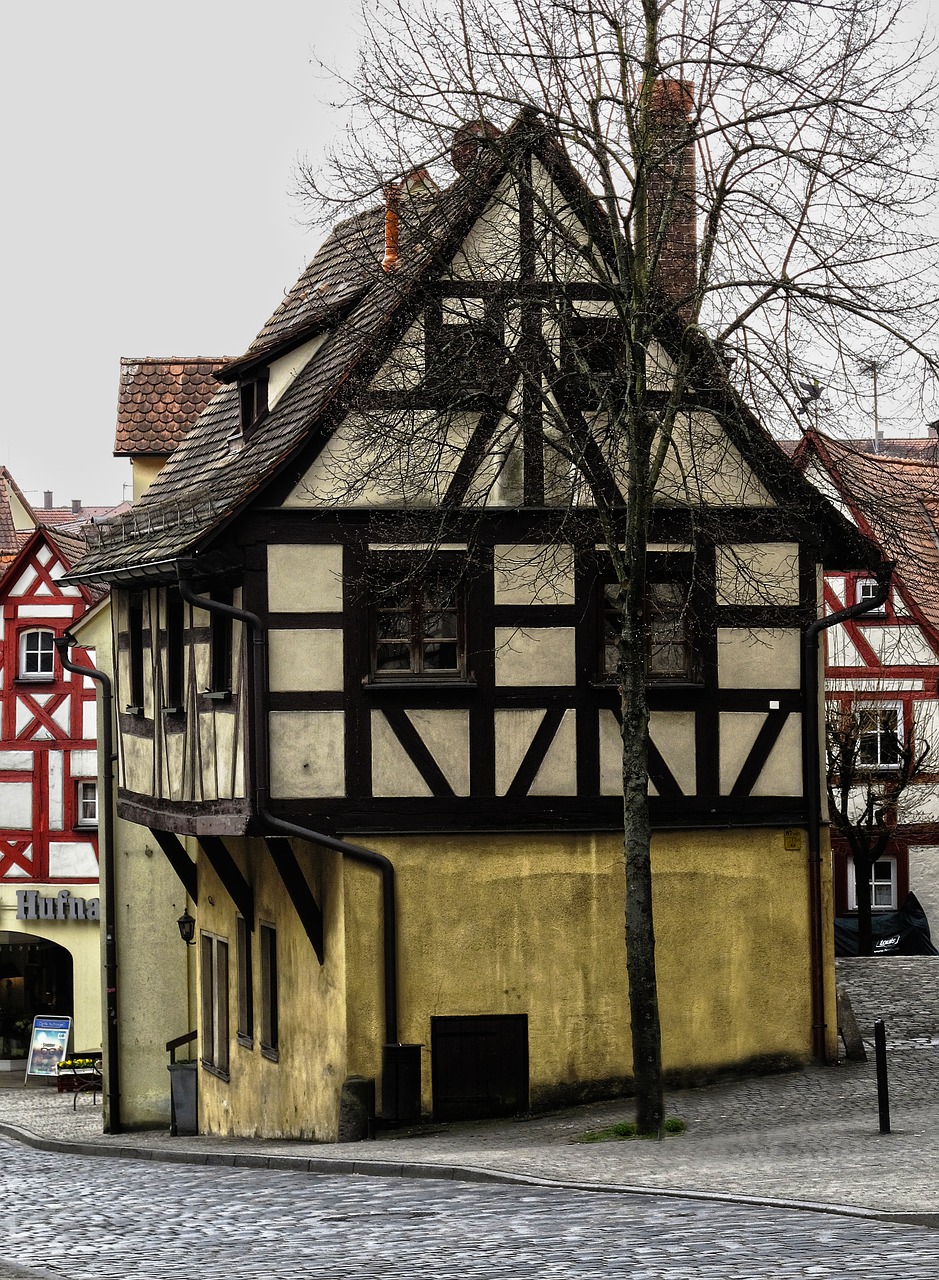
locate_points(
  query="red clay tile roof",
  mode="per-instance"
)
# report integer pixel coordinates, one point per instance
(895, 499)
(160, 399)
(11, 538)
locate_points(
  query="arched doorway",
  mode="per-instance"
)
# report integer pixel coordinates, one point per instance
(35, 978)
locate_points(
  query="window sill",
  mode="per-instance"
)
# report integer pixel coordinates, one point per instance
(610, 682)
(417, 682)
(174, 711)
(133, 711)
(272, 1055)
(43, 679)
(246, 1042)
(215, 1071)
(217, 695)
(86, 826)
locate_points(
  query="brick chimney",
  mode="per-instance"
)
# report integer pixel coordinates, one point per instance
(392, 227)
(47, 499)
(672, 192)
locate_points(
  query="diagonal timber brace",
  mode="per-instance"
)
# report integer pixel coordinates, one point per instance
(178, 859)
(299, 891)
(228, 871)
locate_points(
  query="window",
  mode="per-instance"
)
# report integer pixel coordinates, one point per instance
(220, 634)
(253, 393)
(465, 344)
(879, 737)
(670, 649)
(175, 651)
(215, 1004)
(883, 885)
(135, 651)
(267, 939)
(87, 804)
(37, 655)
(867, 588)
(245, 983)
(418, 621)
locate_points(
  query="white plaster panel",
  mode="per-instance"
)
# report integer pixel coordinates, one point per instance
(898, 646)
(738, 730)
(83, 764)
(782, 773)
(758, 658)
(535, 656)
(45, 611)
(56, 767)
(673, 734)
(44, 555)
(16, 805)
(534, 575)
(445, 734)
(62, 716)
(174, 761)
(557, 775)
(304, 578)
(19, 760)
(840, 649)
(924, 880)
(303, 660)
(72, 860)
(89, 720)
(611, 754)
(307, 754)
(24, 583)
(15, 871)
(763, 573)
(393, 771)
(514, 732)
(704, 467)
(138, 763)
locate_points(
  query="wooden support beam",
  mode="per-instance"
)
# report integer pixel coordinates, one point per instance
(299, 891)
(178, 859)
(228, 871)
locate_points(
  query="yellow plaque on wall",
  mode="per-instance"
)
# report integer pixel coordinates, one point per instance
(792, 841)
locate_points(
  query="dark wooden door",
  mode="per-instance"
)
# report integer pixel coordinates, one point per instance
(479, 1066)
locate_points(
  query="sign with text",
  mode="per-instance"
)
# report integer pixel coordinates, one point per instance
(48, 1045)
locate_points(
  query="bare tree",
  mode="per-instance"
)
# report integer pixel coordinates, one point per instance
(752, 204)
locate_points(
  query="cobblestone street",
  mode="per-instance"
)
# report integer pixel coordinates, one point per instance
(124, 1220)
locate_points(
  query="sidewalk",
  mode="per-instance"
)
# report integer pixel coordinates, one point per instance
(805, 1138)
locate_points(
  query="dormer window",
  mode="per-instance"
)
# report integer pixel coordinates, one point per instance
(867, 589)
(253, 391)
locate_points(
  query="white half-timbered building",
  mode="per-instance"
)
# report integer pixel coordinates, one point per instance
(389, 781)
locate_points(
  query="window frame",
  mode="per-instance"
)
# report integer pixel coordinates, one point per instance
(175, 652)
(417, 639)
(214, 977)
(662, 573)
(879, 766)
(893, 882)
(80, 821)
(221, 651)
(882, 610)
(40, 676)
(448, 369)
(135, 672)
(270, 1020)
(244, 1030)
(253, 399)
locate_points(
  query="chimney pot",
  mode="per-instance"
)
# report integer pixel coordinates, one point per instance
(47, 499)
(76, 506)
(672, 205)
(390, 260)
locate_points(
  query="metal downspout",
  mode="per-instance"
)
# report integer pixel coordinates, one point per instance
(63, 643)
(813, 789)
(260, 768)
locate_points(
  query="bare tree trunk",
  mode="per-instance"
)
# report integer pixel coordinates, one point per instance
(865, 923)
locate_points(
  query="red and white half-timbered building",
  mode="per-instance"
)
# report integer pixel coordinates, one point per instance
(884, 666)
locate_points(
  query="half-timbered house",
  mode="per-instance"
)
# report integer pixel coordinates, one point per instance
(365, 705)
(49, 944)
(884, 666)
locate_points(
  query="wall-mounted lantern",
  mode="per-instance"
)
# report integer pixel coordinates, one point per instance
(187, 928)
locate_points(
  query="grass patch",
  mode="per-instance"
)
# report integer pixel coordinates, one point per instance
(625, 1130)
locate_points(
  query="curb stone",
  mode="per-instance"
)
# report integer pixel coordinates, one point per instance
(442, 1172)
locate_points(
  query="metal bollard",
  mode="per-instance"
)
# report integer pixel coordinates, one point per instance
(883, 1093)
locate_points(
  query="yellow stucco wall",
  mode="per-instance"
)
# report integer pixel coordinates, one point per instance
(528, 924)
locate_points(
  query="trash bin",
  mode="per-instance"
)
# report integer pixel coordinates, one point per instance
(184, 1096)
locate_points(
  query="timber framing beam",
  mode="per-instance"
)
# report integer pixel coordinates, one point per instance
(298, 890)
(179, 860)
(228, 871)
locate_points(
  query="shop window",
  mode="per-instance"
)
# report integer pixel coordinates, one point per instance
(245, 983)
(418, 618)
(883, 885)
(267, 941)
(87, 803)
(670, 650)
(215, 1004)
(37, 655)
(879, 737)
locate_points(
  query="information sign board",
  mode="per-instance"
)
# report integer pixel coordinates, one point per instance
(48, 1045)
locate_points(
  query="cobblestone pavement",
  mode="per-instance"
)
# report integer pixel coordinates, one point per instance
(124, 1220)
(808, 1137)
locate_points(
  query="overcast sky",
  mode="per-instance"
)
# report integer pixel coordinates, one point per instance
(148, 165)
(147, 173)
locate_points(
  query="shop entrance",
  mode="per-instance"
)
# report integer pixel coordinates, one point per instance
(35, 978)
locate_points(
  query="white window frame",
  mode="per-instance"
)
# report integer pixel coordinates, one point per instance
(865, 588)
(876, 883)
(37, 676)
(878, 765)
(86, 793)
(216, 1003)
